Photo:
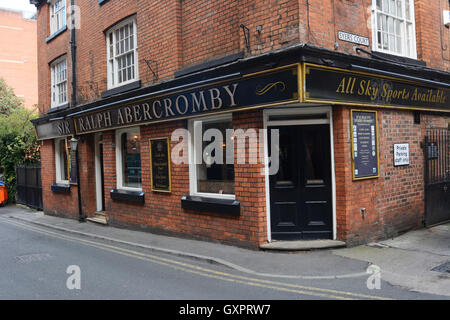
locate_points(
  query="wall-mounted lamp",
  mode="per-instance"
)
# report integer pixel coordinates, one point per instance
(73, 144)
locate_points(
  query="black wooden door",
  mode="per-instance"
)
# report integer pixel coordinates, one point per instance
(300, 192)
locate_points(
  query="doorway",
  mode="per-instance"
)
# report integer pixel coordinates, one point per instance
(301, 192)
(99, 174)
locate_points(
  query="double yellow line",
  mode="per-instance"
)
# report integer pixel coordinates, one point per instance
(205, 272)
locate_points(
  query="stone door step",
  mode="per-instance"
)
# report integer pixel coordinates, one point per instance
(302, 245)
(99, 218)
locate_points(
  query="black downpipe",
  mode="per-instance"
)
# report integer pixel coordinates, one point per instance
(73, 53)
(82, 218)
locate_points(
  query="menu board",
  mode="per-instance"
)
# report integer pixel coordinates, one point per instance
(364, 132)
(160, 164)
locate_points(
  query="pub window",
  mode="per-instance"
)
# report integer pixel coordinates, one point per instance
(58, 70)
(128, 159)
(210, 178)
(121, 48)
(61, 161)
(394, 27)
(57, 15)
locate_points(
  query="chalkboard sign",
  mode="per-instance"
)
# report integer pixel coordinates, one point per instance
(364, 132)
(160, 164)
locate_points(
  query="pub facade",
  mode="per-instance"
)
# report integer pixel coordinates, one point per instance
(246, 136)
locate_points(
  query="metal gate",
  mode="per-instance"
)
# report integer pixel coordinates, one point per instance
(437, 176)
(29, 186)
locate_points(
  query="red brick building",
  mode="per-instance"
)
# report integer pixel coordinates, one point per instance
(18, 55)
(351, 87)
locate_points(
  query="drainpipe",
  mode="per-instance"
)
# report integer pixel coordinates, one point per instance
(73, 54)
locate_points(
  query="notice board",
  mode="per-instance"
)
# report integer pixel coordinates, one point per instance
(364, 133)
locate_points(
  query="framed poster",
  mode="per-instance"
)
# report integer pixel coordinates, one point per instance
(160, 164)
(364, 136)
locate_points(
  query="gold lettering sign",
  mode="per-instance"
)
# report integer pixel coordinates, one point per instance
(327, 84)
(160, 164)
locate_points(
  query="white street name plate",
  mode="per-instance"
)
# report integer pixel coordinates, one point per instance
(353, 38)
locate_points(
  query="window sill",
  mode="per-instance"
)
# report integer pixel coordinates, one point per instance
(128, 196)
(203, 204)
(121, 89)
(60, 188)
(54, 35)
(59, 108)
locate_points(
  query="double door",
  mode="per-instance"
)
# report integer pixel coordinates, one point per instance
(300, 191)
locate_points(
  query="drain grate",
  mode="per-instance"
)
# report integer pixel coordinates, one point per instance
(29, 258)
(445, 267)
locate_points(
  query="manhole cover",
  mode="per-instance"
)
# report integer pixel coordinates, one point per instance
(445, 267)
(29, 258)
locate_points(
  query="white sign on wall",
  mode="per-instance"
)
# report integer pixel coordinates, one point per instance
(401, 154)
(353, 38)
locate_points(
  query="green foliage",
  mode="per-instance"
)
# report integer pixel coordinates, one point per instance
(8, 100)
(18, 143)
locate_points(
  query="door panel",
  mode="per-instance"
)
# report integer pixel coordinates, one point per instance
(300, 192)
(287, 214)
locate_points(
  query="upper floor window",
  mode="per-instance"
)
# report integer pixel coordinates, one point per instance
(121, 43)
(57, 15)
(58, 71)
(394, 27)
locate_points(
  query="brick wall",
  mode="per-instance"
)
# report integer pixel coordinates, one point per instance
(394, 202)
(162, 212)
(47, 53)
(65, 205)
(62, 204)
(173, 34)
(18, 55)
(433, 39)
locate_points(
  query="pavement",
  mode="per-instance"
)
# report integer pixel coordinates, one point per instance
(418, 260)
(415, 260)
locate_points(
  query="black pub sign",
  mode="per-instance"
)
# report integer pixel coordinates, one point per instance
(274, 87)
(364, 134)
(326, 84)
(160, 164)
(54, 129)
